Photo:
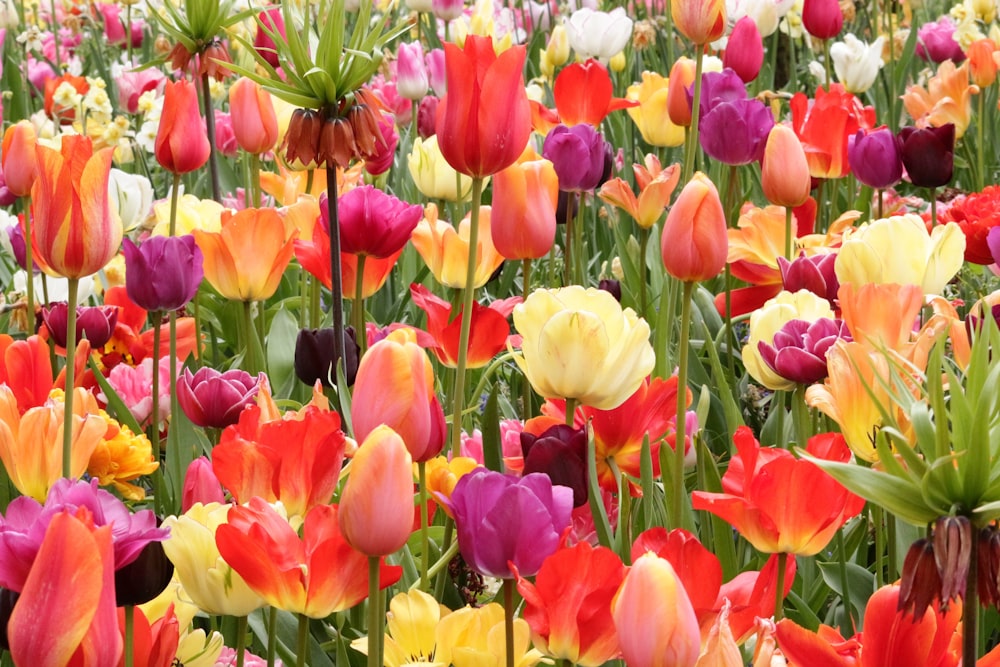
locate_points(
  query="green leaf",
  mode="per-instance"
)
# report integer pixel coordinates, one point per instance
(894, 494)
(860, 581)
(490, 424)
(281, 352)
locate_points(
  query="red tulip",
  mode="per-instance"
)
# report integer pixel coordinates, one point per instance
(181, 140)
(583, 94)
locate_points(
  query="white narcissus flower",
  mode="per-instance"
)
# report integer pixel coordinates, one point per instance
(600, 35)
(856, 63)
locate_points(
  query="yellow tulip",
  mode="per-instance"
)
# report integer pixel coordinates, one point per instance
(433, 176)
(192, 214)
(445, 250)
(651, 115)
(579, 344)
(411, 626)
(474, 637)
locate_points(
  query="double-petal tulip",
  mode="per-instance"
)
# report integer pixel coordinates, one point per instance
(569, 605)
(976, 215)
(75, 230)
(597, 34)
(484, 121)
(778, 503)
(181, 139)
(246, 258)
(395, 387)
(798, 350)
(580, 344)
(656, 185)
(445, 249)
(504, 520)
(373, 222)
(857, 63)
(375, 513)
(211, 399)
(316, 574)
(255, 123)
(164, 272)
(694, 242)
(523, 216)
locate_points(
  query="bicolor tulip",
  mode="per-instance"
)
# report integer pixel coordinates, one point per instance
(213, 399)
(822, 19)
(947, 98)
(87, 624)
(484, 120)
(523, 216)
(682, 74)
(694, 242)
(295, 461)
(697, 568)
(445, 249)
(255, 123)
(411, 71)
(781, 504)
(395, 387)
(95, 323)
(928, 154)
(656, 185)
(798, 350)
(701, 21)
(20, 162)
(488, 333)
(26, 370)
(375, 513)
(181, 140)
(583, 94)
(824, 127)
(246, 258)
(316, 574)
(506, 521)
(164, 272)
(874, 158)
(373, 222)
(784, 171)
(651, 115)
(75, 231)
(654, 618)
(580, 344)
(569, 605)
(208, 580)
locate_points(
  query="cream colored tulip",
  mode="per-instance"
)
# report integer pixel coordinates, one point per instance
(433, 176)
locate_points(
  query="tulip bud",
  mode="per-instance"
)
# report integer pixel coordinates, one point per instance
(411, 71)
(95, 323)
(815, 274)
(181, 139)
(376, 507)
(201, 485)
(785, 170)
(269, 20)
(745, 50)
(525, 197)
(694, 243)
(822, 18)
(20, 164)
(681, 77)
(254, 121)
(314, 356)
(874, 158)
(701, 21)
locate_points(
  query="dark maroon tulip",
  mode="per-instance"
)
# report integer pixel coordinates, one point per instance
(95, 323)
(815, 273)
(314, 356)
(561, 453)
(211, 399)
(798, 352)
(144, 578)
(874, 158)
(164, 272)
(928, 154)
(612, 287)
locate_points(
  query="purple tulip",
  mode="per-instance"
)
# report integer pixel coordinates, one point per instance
(717, 88)
(936, 42)
(16, 236)
(928, 154)
(798, 352)
(23, 528)
(164, 272)
(735, 133)
(814, 273)
(95, 323)
(314, 356)
(373, 222)
(505, 519)
(211, 399)
(561, 453)
(578, 154)
(874, 158)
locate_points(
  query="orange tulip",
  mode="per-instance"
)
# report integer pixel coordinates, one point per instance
(19, 149)
(824, 126)
(784, 172)
(701, 21)
(26, 369)
(181, 139)
(946, 99)
(656, 185)
(244, 261)
(681, 77)
(74, 574)
(525, 197)
(395, 387)
(75, 231)
(254, 122)
(376, 507)
(583, 94)
(694, 242)
(445, 250)
(982, 66)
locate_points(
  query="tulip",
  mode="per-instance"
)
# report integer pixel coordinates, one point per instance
(181, 142)
(694, 243)
(19, 149)
(484, 121)
(208, 580)
(798, 350)
(656, 185)
(976, 216)
(246, 258)
(701, 21)
(735, 133)
(825, 126)
(785, 171)
(376, 505)
(560, 452)
(25, 368)
(163, 273)
(144, 578)
(201, 485)
(652, 115)
(75, 232)
(71, 90)
(577, 154)
(718, 88)
(744, 52)
(580, 344)
(654, 618)
(372, 222)
(856, 63)
(411, 71)
(928, 154)
(815, 274)
(682, 74)
(314, 360)
(697, 568)
(596, 34)
(433, 176)
(569, 605)
(936, 42)
(982, 65)
(523, 216)
(822, 18)
(583, 94)
(95, 323)
(504, 520)
(874, 158)
(445, 250)
(270, 25)
(211, 399)
(395, 387)
(254, 121)
(946, 98)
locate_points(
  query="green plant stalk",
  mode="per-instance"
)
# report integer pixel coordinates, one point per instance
(788, 233)
(847, 626)
(129, 635)
(508, 620)
(676, 493)
(623, 536)
(302, 642)
(255, 194)
(254, 357)
(29, 263)
(468, 296)
(450, 547)
(568, 249)
(425, 540)
(55, 33)
(779, 590)
(980, 131)
(336, 286)
(154, 431)
(826, 63)
(801, 420)
(970, 605)
(643, 246)
(525, 385)
(213, 158)
(272, 635)
(570, 414)
(241, 640)
(879, 544)
(73, 288)
(375, 615)
(358, 308)
(691, 148)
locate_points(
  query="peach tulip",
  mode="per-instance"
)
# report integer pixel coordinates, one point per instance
(254, 121)
(19, 149)
(701, 21)
(694, 243)
(784, 172)
(525, 196)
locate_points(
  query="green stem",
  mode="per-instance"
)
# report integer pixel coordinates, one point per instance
(176, 468)
(213, 158)
(468, 296)
(29, 262)
(358, 307)
(675, 507)
(440, 570)
(525, 385)
(980, 150)
(847, 627)
(879, 545)
(623, 536)
(425, 541)
(788, 233)
(253, 358)
(154, 431)
(779, 590)
(801, 421)
(67, 450)
(692, 146)
(55, 34)
(568, 250)
(508, 620)
(336, 285)
(241, 640)
(302, 643)
(174, 195)
(129, 635)
(643, 245)
(272, 635)
(570, 413)
(933, 208)
(375, 614)
(255, 194)
(826, 63)
(970, 605)
(890, 533)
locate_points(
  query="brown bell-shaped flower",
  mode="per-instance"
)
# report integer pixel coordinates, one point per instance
(920, 583)
(952, 548)
(302, 138)
(364, 119)
(988, 567)
(179, 57)
(336, 144)
(213, 59)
